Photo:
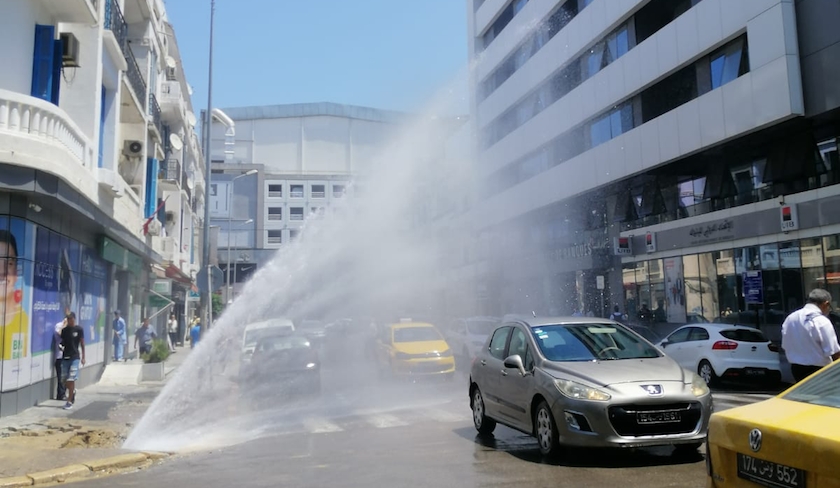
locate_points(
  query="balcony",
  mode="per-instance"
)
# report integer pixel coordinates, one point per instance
(172, 103)
(116, 34)
(135, 79)
(169, 175)
(167, 248)
(185, 185)
(74, 11)
(155, 121)
(38, 134)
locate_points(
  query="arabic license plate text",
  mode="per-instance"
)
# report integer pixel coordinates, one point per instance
(658, 417)
(768, 473)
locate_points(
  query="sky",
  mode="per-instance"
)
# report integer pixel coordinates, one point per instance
(387, 54)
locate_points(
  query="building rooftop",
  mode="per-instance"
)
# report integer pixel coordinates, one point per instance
(316, 109)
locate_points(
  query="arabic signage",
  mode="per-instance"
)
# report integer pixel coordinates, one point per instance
(581, 250)
(753, 287)
(713, 232)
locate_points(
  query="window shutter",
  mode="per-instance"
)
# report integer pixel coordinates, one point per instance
(151, 187)
(42, 62)
(56, 71)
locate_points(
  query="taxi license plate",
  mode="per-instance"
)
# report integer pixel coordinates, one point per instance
(771, 474)
(658, 417)
(755, 372)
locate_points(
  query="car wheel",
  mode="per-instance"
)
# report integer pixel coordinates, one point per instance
(687, 449)
(706, 372)
(483, 424)
(545, 429)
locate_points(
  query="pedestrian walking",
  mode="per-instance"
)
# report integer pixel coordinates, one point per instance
(144, 337)
(73, 343)
(195, 333)
(808, 336)
(616, 314)
(120, 338)
(173, 332)
(58, 351)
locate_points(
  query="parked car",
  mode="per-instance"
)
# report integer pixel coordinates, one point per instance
(717, 351)
(282, 363)
(586, 382)
(413, 349)
(467, 336)
(791, 440)
(258, 330)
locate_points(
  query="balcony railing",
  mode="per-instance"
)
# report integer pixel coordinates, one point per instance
(275, 194)
(135, 78)
(275, 240)
(296, 216)
(296, 194)
(170, 170)
(318, 194)
(115, 22)
(154, 111)
(272, 216)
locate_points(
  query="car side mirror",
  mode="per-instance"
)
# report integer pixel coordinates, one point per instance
(664, 343)
(515, 362)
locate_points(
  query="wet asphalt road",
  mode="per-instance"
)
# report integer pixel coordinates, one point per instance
(366, 432)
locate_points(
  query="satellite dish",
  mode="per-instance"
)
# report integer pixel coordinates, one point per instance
(191, 179)
(189, 89)
(191, 119)
(176, 142)
(170, 62)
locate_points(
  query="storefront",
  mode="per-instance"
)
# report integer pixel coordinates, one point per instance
(739, 269)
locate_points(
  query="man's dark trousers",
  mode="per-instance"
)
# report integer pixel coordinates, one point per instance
(61, 390)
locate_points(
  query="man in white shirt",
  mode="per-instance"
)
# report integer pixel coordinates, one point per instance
(808, 337)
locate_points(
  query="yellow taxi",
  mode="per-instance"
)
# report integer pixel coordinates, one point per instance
(413, 349)
(790, 441)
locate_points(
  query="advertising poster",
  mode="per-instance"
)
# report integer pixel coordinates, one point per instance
(92, 314)
(46, 308)
(675, 290)
(16, 255)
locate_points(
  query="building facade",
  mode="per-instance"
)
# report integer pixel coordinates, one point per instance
(655, 152)
(84, 211)
(308, 159)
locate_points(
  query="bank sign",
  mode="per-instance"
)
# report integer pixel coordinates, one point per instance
(789, 218)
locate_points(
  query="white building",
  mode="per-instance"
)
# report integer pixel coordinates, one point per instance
(686, 120)
(90, 91)
(306, 156)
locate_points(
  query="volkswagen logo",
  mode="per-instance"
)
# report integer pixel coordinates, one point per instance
(653, 390)
(755, 440)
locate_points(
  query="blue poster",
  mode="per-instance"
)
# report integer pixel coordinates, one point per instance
(16, 254)
(46, 305)
(92, 314)
(753, 288)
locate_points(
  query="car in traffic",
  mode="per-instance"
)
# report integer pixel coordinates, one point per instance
(724, 351)
(283, 362)
(413, 349)
(586, 382)
(315, 330)
(258, 330)
(467, 336)
(789, 441)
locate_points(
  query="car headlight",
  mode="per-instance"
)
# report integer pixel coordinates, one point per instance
(446, 354)
(402, 355)
(699, 387)
(578, 391)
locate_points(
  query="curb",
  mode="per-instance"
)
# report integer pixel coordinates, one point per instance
(75, 472)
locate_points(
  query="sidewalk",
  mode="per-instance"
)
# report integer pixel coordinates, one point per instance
(47, 437)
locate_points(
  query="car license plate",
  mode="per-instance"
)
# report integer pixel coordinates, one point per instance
(755, 372)
(667, 417)
(767, 473)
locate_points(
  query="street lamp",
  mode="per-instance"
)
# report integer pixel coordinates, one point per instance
(230, 219)
(229, 289)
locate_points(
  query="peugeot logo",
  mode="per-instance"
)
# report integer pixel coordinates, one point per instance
(653, 390)
(755, 440)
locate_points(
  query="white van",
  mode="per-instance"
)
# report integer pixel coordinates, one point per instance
(256, 331)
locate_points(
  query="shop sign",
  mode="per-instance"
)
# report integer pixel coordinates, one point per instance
(753, 287)
(650, 242)
(623, 246)
(789, 218)
(714, 232)
(599, 282)
(581, 250)
(164, 287)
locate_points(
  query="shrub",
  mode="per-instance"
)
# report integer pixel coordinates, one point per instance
(159, 353)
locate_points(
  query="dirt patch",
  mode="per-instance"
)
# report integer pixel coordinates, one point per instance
(94, 438)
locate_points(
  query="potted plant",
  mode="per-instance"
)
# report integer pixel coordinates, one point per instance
(153, 361)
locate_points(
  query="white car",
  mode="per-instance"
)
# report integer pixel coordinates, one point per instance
(725, 351)
(467, 336)
(256, 331)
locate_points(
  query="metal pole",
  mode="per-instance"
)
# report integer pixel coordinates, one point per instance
(229, 230)
(206, 297)
(236, 264)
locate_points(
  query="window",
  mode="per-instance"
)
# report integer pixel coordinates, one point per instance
(518, 344)
(744, 335)
(679, 336)
(293, 234)
(296, 213)
(296, 191)
(698, 334)
(317, 211)
(275, 213)
(338, 191)
(46, 64)
(611, 125)
(729, 63)
(275, 237)
(318, 191)
(498, 343)
(275, 191)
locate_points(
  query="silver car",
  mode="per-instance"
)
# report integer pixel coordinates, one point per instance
(586, 382)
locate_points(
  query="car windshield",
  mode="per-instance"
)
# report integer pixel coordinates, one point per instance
(254, 335)
(283, 343)
(823, 389)
(416, 334)
(589, 342)
(744, 335)
(481, 327)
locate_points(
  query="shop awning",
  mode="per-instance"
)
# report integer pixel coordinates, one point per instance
(174, 273)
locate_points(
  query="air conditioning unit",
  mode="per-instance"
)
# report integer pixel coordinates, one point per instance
(155, 227)
(133, 149)
(69, 50)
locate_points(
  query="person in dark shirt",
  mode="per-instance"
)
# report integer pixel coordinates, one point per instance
(73, 342)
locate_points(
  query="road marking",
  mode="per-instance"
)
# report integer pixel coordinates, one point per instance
(320, 426)
(442, 415)
(385, 421)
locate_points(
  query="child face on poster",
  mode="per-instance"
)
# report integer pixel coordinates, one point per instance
(8, 271)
